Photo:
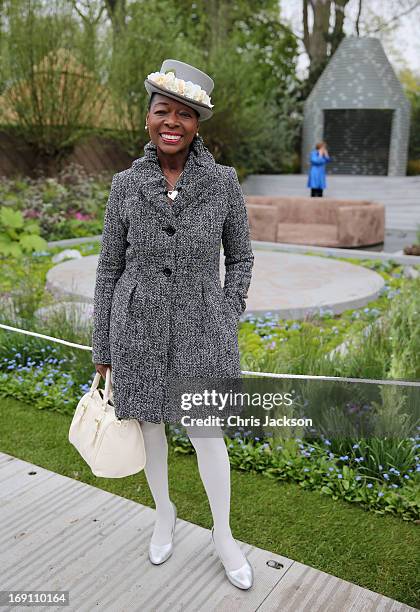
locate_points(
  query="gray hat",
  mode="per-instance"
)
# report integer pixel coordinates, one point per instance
(185, 83)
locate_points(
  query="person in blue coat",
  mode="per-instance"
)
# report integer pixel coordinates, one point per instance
(316, 178)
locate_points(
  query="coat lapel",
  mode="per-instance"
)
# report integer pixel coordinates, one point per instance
(193, 186)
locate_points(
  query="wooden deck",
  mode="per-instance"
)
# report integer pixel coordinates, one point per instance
(61, 534)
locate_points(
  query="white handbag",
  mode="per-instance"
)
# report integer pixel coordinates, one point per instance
(113, 448)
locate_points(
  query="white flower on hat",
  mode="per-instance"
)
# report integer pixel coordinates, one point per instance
(184, 88)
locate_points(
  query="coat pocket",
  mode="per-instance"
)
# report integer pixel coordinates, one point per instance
(231, 308)
(226, 303)
(221, 309)
(122, 300)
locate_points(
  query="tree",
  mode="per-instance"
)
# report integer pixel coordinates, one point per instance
(326, 22)
(91, 14)
(411, 84)
(49, 97)
(374, 18)
(117, 12)
(326, 34)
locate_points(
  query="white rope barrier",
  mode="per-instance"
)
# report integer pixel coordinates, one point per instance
(262, 374)
(30, 333)
(406, 383)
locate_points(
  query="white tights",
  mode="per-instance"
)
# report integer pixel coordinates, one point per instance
(214, 469)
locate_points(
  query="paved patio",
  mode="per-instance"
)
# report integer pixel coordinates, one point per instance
(288, 284)
(61, 534)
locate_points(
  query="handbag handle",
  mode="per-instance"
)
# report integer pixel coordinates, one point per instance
(108, 386)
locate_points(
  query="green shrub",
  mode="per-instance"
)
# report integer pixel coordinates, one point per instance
(69, 206)
(18, 236)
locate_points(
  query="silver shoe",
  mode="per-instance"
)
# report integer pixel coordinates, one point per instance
(160, 553)
(243, 577)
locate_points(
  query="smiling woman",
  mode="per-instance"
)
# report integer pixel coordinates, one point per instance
(169, 318)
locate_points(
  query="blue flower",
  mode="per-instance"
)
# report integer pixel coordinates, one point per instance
(386, 476)
(358, 478)
(369, 485)
(344, 457)
(339, 475)
(380, 494)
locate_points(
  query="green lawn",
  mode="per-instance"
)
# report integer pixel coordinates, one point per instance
(377, 552)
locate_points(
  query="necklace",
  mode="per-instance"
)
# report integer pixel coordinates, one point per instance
(172, 193)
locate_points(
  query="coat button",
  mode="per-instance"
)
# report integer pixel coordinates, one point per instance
(167, 271)
(170, 230)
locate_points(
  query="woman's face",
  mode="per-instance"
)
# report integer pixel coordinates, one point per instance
(167, 115)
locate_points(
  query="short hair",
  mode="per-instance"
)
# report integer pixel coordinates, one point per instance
(151, 99)
(320, 144)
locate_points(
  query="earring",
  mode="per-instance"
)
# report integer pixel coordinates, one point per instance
(197, 134)
(146, 126)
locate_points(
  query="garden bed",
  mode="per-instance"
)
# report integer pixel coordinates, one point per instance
(68, 206)
(376, 474)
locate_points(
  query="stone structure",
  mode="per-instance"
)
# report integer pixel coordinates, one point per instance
(359, 107)
(316, 221)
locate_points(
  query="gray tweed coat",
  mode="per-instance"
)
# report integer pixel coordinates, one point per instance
(159, 307)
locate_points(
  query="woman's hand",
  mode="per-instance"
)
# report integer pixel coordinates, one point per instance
(102, 368)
